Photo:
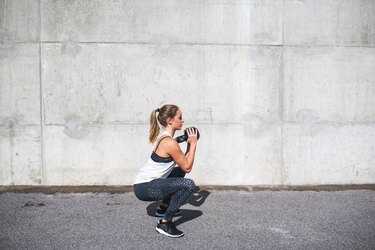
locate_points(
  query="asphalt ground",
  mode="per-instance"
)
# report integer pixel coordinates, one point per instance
(210, 220)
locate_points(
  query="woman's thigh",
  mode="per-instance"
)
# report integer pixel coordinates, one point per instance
(172, 184)
(159, 189)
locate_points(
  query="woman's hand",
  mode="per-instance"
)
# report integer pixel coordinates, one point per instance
(192, 135)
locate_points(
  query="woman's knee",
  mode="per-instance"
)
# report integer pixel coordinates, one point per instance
(190, 184)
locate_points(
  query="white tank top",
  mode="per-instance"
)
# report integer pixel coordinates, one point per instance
(155, 169)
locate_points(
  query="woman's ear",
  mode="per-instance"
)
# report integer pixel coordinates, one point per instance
(169, 120)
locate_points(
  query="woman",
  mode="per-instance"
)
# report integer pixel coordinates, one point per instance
(162, 178)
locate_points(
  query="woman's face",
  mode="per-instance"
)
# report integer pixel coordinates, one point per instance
(177, 120)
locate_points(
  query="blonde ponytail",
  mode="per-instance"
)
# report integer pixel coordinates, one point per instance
(154, 126)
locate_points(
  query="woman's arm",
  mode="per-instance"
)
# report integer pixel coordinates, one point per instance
(184, 161)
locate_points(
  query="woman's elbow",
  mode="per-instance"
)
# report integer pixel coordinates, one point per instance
(186, 169)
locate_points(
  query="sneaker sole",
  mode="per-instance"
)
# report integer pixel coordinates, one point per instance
(161, 231)
(159, 215)
(162, 215)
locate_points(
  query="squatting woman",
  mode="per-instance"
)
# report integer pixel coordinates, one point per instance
(162, 177)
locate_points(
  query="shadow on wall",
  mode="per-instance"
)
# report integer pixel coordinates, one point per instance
(196, 199)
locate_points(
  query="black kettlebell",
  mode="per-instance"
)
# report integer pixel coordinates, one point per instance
(185, 136)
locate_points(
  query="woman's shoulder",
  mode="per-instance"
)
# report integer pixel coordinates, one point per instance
(166, 141)
(163, 140)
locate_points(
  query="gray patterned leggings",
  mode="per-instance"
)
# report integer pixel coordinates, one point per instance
(173, 190)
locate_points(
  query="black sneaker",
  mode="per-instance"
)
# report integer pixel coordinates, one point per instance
(167, 228)
(161, 210)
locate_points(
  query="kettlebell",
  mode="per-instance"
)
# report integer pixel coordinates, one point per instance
(185, 136)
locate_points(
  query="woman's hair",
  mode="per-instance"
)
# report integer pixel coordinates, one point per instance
(160, 115)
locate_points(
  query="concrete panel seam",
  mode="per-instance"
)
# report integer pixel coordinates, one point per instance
(205, 44)
(148, 43)
(41, 103)
(329, 123)
(25, 42)
(214, 44)
(281, 103)
(147, 124)
(326, 46)
(332, 123)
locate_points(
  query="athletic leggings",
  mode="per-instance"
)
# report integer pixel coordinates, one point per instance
(173, 190)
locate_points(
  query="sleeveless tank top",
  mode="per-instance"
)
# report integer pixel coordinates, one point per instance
(156, 166)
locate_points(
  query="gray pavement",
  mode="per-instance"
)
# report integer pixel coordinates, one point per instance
(211, 220)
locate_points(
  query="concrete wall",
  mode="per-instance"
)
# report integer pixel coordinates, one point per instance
(283, 91)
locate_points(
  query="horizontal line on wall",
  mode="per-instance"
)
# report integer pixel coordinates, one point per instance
(330, 123)
(202, 123)
(228, 123)
(203, 44)
(171, 44)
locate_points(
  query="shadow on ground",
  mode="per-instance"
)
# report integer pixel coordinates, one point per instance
(196, 199)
